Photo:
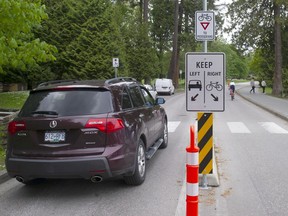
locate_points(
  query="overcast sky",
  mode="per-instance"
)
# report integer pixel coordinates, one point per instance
(223, 10)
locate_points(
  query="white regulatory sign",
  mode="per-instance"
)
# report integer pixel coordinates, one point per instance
(205, 81)
(204, 25)
(115, 62)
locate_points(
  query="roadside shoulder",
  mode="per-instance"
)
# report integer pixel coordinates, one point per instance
(4, 176)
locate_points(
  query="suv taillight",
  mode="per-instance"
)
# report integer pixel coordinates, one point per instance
(16, 126)
(105, 125)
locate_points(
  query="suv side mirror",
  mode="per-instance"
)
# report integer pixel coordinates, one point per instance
(160, 100)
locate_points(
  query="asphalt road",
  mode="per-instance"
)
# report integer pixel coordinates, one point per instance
(251, 156)
(158, 195)
(251, 153)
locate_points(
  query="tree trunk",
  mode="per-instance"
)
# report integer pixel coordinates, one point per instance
(174, 57)
(145, 11)
(277, 81)
(177, 71)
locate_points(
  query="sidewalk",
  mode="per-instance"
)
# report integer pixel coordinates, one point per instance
(277, 106)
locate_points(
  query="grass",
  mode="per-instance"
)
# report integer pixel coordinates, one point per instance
(2, 158)
(13, 100)
(2, 150)
(9, 101)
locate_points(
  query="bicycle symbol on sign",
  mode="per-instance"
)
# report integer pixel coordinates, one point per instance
(216, 85)
(205, 16)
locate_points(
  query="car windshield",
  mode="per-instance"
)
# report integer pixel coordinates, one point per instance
(67, 103)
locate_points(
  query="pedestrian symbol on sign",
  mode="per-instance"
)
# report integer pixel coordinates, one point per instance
(115, 62)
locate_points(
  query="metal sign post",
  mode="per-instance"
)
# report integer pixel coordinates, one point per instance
(205, 88)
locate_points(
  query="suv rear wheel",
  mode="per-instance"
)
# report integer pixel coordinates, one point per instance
(165, 136)
(140, 168)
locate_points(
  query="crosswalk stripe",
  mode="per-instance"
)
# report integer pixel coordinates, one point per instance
(238, 127)
(172, 126)
(271, 127)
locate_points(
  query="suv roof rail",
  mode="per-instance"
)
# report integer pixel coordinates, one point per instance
(54, 82)
(120, 79)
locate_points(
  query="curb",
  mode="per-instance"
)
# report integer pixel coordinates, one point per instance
(4, 176)
(263, 107)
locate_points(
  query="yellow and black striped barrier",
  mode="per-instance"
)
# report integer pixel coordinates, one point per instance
(205, 142)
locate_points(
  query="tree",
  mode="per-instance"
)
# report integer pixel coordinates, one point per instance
(20, 50)
(260, 65)
(277, 86)
(89, 55)
(141, 58)
(88, 35)
(264, 17)
(161, 30)
(236, 67)
(173, 69)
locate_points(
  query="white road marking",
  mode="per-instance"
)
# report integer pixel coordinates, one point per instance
(271, 127)
(172, 126)
(238, 127)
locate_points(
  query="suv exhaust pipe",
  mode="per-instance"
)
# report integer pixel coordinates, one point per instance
(96, 179)
(20, 179)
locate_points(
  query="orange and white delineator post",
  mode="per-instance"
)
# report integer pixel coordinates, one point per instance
(192, 169)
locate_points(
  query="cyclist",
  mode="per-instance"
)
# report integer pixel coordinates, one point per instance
(232, 89)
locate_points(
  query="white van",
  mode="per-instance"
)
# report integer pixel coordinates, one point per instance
(164, 86)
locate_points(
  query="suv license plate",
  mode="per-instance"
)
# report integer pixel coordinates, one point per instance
(54, 136)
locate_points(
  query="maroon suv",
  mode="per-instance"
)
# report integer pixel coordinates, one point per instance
(86, 129)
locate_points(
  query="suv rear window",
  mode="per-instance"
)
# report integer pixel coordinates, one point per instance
(67, 103)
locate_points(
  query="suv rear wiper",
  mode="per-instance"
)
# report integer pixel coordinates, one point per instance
(43, 112)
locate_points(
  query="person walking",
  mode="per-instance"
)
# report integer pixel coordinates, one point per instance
(252, 83)
(263, 85)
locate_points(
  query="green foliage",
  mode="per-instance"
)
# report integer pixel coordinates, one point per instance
(89, 33)
(162, 30)
(254, 26)
(141, 57)
(19, 49)
(236, 64)
(262, 65)
(13, 100)
(87, 36)
(89, 55)
(2, 152)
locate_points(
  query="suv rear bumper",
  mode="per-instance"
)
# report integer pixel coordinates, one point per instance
(65, 168)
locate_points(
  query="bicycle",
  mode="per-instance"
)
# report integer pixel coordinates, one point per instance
(205, 16)
(212, 85)
(232, 94)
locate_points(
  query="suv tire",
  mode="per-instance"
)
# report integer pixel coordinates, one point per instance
(140, 167)
(165, 136)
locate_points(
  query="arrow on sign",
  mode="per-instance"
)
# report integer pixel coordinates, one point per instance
(215, 98)
(194, 98)
(205, 25)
